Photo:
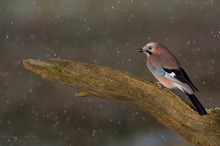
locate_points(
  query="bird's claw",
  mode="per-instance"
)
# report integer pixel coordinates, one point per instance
(158, 84)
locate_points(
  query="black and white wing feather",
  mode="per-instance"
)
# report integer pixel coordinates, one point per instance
(181, 79)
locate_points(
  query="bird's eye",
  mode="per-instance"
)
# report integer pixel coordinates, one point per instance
(150, 47)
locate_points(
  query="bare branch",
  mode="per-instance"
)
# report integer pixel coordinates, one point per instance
(110, 83)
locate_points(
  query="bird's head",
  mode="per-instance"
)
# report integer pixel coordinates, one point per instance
(149, 48)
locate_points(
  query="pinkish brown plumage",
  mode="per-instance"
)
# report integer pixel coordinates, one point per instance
(167, 70)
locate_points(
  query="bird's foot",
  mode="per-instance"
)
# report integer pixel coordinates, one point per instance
(158, 84)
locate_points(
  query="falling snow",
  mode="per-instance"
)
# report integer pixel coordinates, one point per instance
(104, 33)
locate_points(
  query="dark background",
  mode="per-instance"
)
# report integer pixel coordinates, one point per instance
(35, 111)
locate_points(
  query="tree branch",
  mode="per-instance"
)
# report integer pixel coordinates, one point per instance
(110, 83)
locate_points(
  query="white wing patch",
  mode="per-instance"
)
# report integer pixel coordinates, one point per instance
(180, 85)
(172, 74)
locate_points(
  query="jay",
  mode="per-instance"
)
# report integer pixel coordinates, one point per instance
(168, 71)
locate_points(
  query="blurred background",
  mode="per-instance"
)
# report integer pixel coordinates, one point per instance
(35, 111)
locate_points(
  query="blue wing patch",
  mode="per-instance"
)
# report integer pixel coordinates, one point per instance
(160, 71)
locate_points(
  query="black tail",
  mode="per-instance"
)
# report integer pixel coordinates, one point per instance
(199, 107)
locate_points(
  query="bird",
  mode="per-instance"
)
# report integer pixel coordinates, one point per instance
(167, 70)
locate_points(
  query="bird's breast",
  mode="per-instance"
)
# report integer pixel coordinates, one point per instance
(164, 81)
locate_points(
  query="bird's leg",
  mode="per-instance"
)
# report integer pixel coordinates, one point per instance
(158, 84)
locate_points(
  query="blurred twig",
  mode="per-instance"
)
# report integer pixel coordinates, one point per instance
(110, 83)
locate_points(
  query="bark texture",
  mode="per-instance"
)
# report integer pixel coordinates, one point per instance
(109, 83)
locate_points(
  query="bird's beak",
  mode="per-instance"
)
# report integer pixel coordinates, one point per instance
(140, 50)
